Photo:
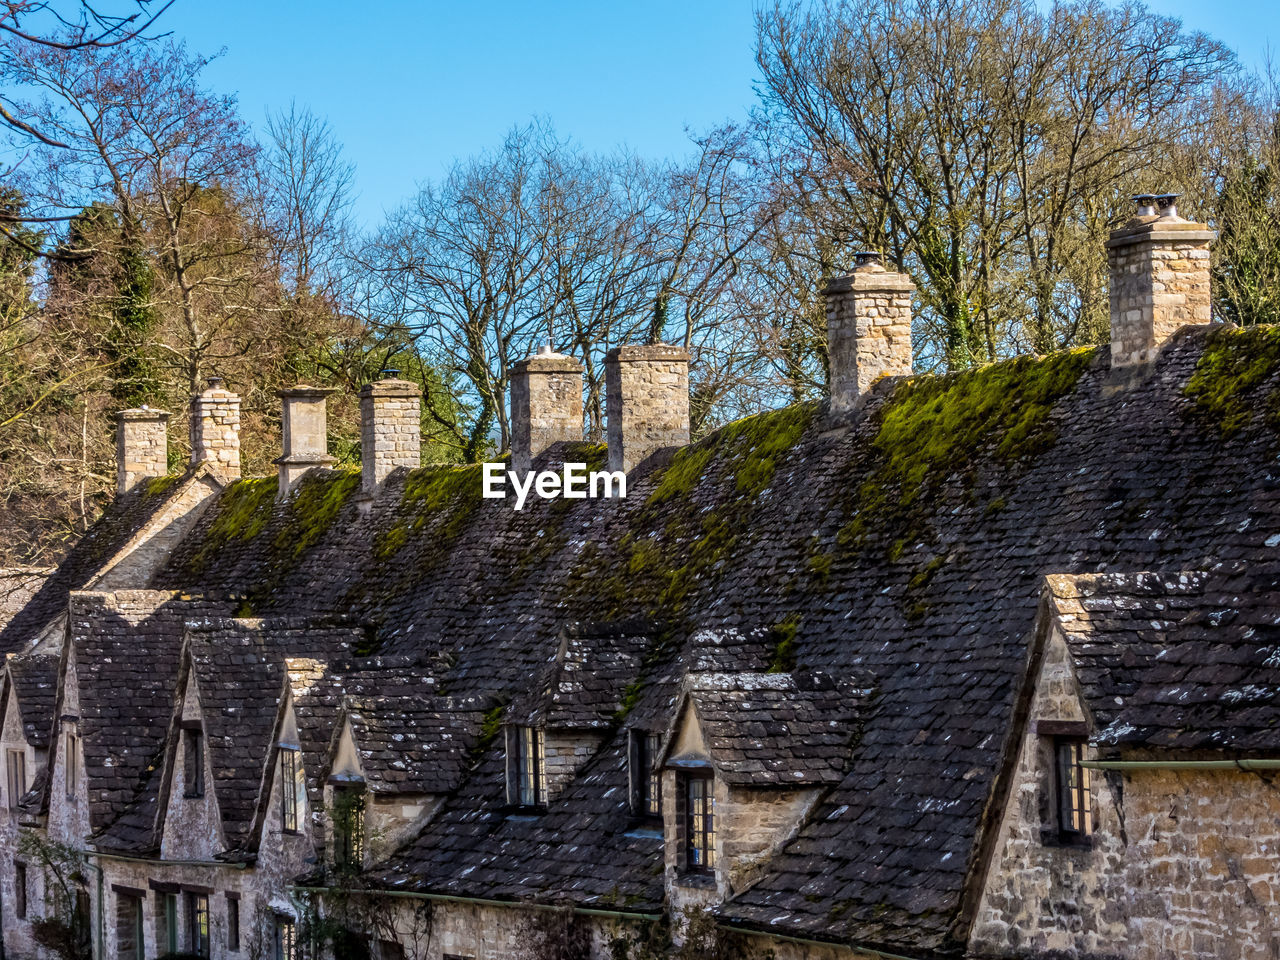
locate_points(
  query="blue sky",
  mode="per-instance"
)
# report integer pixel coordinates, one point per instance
(408, 87)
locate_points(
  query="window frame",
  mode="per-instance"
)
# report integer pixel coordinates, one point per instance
(16, 790)
(171, 921)
(530, 787)
(193, 760)
(1073, 791)
(198, 934)
(348, 826)
(646, 776)
(289, 767)
(698, 840)
(286, 938)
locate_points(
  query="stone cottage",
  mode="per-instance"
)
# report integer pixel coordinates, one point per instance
(984, 665)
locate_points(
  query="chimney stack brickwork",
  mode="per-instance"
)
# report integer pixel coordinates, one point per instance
(304, 434)
(868, 331)
(1159, 281)
(646, 401)
(546, 405)
(390, 430)
(142, 447)
(215, 430)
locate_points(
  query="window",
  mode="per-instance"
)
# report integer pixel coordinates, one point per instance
(290, 770)
(348, 826)
(531, 772)
(193, 761)
(16, 770)
(69, 761)
(646, 778)
(129, 930)
(171, 922)
(20, 890)
(198, 917)
(233, 922)
(1075, 799)
(286, 939)
(699, 823)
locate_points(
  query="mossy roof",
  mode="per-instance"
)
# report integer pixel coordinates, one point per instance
(908, 547)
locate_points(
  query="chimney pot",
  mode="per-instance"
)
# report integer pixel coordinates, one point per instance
(142, 446)
(868, 329)
(546, 404)
(389, 373)
(304, 434)
(1159, 280)
(1146, 204)
(646, 401)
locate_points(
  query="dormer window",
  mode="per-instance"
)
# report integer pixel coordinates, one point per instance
(193, 759)
(526, 766)
(699, 821)
(290, 776)
(348, 826)
(16, 771)
(1074, 796)
(646, 778)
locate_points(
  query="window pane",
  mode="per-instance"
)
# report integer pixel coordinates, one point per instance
(288, 790)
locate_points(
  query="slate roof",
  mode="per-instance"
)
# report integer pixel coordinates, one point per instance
(775, 729)
(126, 647)
(121, 519)
(584, 684)
(240, 672)
(908, 546)
(34, 681)
(413, 744)
(1181, 661)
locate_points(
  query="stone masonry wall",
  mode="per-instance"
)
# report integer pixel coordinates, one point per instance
(546, 405)
(1182, 863)
(215, 430)
(646, 401)
(563, 754)
(868, 331)
(1159, 282)
(142, 447)
(752, 825)
(390, 430)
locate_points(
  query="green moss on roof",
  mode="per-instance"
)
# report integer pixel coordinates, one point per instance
(1234, 363)
(678, 540)
(160, 486)
(243, 511)
(448, 494)
(934, 428)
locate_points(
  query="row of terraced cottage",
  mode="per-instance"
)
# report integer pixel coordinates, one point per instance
(794, 693)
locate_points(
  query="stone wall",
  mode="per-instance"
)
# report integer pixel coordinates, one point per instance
(753, 824)
(563, 754)
(868, 331)
(142, 447)
(646, 401)
(150, 548)
(1159, 282)
(546, 405)
(390, 430)
(1181, 864)
(215, 430)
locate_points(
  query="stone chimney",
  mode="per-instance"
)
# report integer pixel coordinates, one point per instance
(868, 329)
(646, 401)
(142, 447)
(390, 428)
(215, 430)
(546, 404)
(1159, 279)
(304, 434)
